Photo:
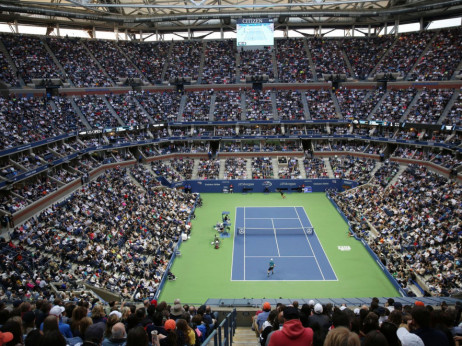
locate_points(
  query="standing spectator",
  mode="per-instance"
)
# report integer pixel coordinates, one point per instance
(292, 332)
(318, 317)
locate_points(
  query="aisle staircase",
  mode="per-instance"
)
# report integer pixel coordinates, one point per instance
(245, 336)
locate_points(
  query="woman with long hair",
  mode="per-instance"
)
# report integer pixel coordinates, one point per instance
(77, 314)
(188, 332)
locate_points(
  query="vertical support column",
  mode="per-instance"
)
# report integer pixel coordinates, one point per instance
(222, 34)
(369, 31)
(126, 35)
(16, 27)
(421, 24)
(141, 35)
(116, 33)
(57, 30)
(396, 27)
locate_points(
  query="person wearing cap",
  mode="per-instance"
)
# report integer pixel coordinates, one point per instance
(262, 317)
(271, 267)
(94, 334)
(173, 337)
(292, 333)
(5, 337)
(318, 317)
(177, 310)
(64, 328)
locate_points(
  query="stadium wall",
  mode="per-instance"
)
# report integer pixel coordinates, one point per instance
(267, 185)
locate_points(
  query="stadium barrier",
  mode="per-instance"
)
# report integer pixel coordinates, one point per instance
(373, 255)
(223, 335)
(265, 185)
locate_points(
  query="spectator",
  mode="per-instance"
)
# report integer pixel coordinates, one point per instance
(118, 336)
(292, 332)
(340, 336)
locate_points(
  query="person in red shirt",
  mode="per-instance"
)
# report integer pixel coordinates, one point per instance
(292, 333)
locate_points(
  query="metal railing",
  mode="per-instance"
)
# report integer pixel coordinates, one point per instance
(223, 334)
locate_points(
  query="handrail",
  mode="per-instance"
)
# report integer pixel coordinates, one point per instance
(229, 328)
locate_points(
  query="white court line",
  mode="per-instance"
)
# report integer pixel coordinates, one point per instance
(276, 238)
(300, 228)
(322, 247)
(280, 256)
(244, 244)
(265, 218)
(306, 236)
(234, 241)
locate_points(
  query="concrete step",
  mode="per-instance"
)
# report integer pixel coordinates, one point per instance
(245, 336)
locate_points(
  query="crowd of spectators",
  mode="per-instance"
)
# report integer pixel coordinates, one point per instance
(365, 53)
(292, 61)
(219, 63)
(348, 146)
(84, 320)
(430, 106)
(31, 57)
(385, 174)
(288, 168)
(183, 166)
(259, 105)
(353, 168)
(228, 106)
(114, 234)
(256, 63)
(128, 109)
(315, 168)
(394, 105)
(63, 175)
(262, 168)
(327, 57)
(454, 116)
(7, 73)
(185, 58)
(96, 111)
(35, 188)
(161, 106)
(235, 168)
(114, 62)
(320, 104)
(79, 66)
(27, 119)
(404, 53)
(442, 58)
(208, 169)
(197, 107)
(162, 169)
(357, 103)
(149, 57)
(415, 233)
(289, 105)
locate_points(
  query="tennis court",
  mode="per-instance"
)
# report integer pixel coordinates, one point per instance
(284, 234)
(205, 272)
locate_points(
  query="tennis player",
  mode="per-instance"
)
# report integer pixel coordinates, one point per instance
(271, 267)
(282, 194)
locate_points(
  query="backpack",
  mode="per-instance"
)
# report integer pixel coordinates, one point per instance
(264, 335)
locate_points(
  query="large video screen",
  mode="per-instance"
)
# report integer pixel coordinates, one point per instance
(255, 32)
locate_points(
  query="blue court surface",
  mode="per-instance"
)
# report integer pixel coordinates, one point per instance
(284, 234)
